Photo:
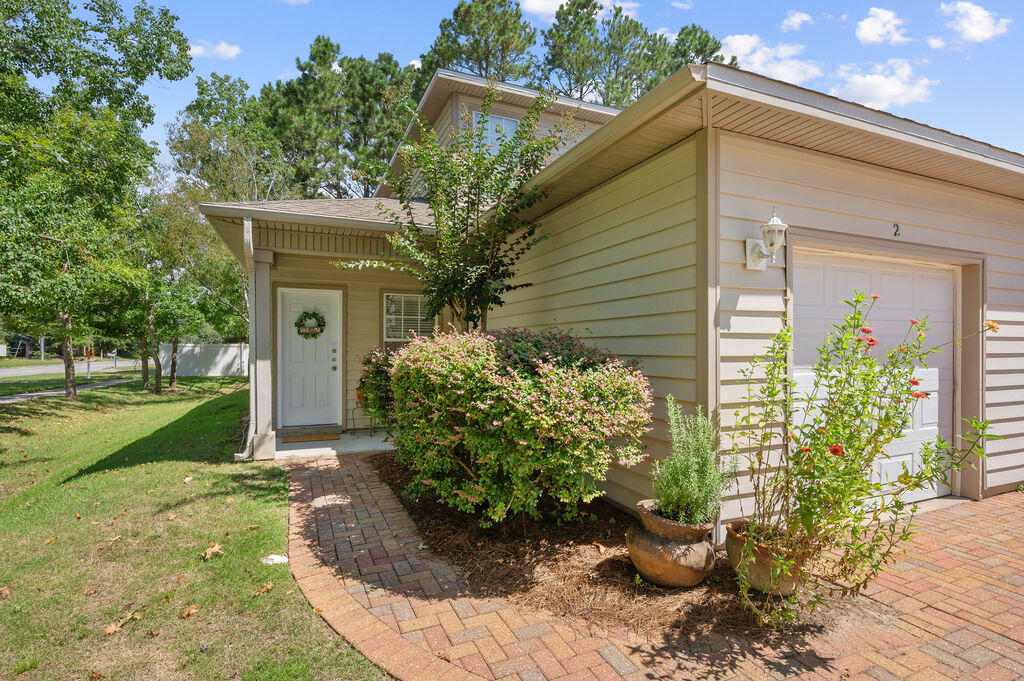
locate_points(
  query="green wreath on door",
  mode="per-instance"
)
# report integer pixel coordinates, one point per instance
(313, 321)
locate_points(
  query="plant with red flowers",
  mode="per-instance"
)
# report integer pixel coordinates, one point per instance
(823, 520)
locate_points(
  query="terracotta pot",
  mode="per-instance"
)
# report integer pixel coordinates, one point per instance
(669, 553)
(759, 572)
(359, 397)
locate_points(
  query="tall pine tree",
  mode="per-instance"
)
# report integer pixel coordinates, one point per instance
(488, 38)
(572, 49)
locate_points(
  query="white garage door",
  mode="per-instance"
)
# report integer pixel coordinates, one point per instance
(821, 281)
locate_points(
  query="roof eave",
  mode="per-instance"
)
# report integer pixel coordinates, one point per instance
(788, 97)
(221, 210)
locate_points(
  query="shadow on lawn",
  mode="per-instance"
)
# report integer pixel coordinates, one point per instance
(206, 433)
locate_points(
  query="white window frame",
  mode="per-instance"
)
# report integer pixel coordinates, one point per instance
(385, 339)
(492, 137)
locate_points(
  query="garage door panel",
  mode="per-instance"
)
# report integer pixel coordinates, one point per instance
(822, 281)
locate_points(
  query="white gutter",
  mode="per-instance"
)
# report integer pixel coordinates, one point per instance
(270, 214)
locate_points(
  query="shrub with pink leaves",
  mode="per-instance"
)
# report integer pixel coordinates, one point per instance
(495, 424)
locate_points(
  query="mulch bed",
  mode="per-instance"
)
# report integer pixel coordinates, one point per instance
(583, 571)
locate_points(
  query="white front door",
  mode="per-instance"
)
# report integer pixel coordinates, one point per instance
(309, 375)
(821, 281)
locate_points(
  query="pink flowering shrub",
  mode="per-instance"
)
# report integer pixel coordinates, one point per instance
(374, 387)
(488, 429)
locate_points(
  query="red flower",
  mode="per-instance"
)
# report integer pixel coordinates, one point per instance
(871, 341)
(859, 339)
(866, 329)
(835, 450)
(918, 394)
(805, 449)
(915, 322)
(902, 348)
(914, 381)
(876, 296)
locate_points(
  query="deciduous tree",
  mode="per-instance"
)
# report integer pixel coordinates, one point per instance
(477, 189)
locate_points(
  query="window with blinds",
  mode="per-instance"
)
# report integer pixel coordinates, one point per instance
(498, 127)
(405, 316)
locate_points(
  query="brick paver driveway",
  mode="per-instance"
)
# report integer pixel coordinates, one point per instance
(956, 599)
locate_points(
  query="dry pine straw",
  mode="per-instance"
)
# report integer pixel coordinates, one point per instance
(582, 571)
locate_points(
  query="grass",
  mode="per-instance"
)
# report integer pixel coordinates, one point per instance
(14, 385)
(25, 362)
(105, 506)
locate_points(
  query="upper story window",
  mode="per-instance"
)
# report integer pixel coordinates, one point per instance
(404, 317)
(497, 127)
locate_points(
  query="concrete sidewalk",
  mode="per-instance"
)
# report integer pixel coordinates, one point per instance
(58, 368)
(57, 392)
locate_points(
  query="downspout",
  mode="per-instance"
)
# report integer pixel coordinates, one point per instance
(250, 268)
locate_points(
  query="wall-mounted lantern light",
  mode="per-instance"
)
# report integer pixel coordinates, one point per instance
(773, 236)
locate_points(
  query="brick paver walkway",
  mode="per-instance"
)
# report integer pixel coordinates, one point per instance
(957, 598)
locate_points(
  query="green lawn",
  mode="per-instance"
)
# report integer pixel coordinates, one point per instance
(13, 385)
(105, 506)
(23, 362)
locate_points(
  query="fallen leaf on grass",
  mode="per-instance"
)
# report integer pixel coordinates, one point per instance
(289, 592)
(152, 633)
(600, 548)
(172, 516)
(116, 626)
(188, 479)
(165, 599)
(78, 516)
(5, 591)
(96, 675)
(90, 591)
(51, 540)
(264, 589)
(229, 500)
(211, 550)
(94, 522)
(252, 527)
(189, 611)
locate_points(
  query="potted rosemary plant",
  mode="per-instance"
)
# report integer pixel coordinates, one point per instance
(673, 548)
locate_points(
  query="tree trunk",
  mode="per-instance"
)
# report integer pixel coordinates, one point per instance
(144, 355)
(154, 348)
(68, 351)
(173, 383)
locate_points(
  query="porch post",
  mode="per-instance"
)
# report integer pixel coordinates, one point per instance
(261, 382)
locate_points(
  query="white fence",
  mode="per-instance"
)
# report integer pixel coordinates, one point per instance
(207, 359)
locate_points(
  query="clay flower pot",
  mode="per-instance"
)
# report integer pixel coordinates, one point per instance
(758, 572)
(669, 553)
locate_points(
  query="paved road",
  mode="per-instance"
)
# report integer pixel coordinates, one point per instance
(55, 392)
(97, 365)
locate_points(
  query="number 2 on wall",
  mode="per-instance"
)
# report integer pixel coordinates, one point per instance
(896, 233)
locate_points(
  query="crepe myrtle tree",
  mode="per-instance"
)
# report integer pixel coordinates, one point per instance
(477, 187)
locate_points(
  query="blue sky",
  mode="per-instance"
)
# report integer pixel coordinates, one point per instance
(952, 64)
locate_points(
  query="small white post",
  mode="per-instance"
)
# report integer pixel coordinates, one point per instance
(42, 348)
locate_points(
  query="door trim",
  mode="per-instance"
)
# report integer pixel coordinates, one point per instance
(279, 373)
(969, 282)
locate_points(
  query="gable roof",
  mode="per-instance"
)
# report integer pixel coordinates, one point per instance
(359, 212)
(727, 98)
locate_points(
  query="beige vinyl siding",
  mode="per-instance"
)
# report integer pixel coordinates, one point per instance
(619, 269)
(821, 192)
(362, 298)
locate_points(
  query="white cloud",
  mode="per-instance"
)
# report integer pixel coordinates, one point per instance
(416, 63)
(776, 61)
(974, 23)
(891, 83)
(935, 42)
(795, 20)
(544, 8)
(682, 5)
(628, 8)
(881, 26)
(222, 50)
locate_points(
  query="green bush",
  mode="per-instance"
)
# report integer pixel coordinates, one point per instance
(375, 386)
(689, 483)
(496, 424)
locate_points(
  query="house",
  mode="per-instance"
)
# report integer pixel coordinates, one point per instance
(656, 251)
